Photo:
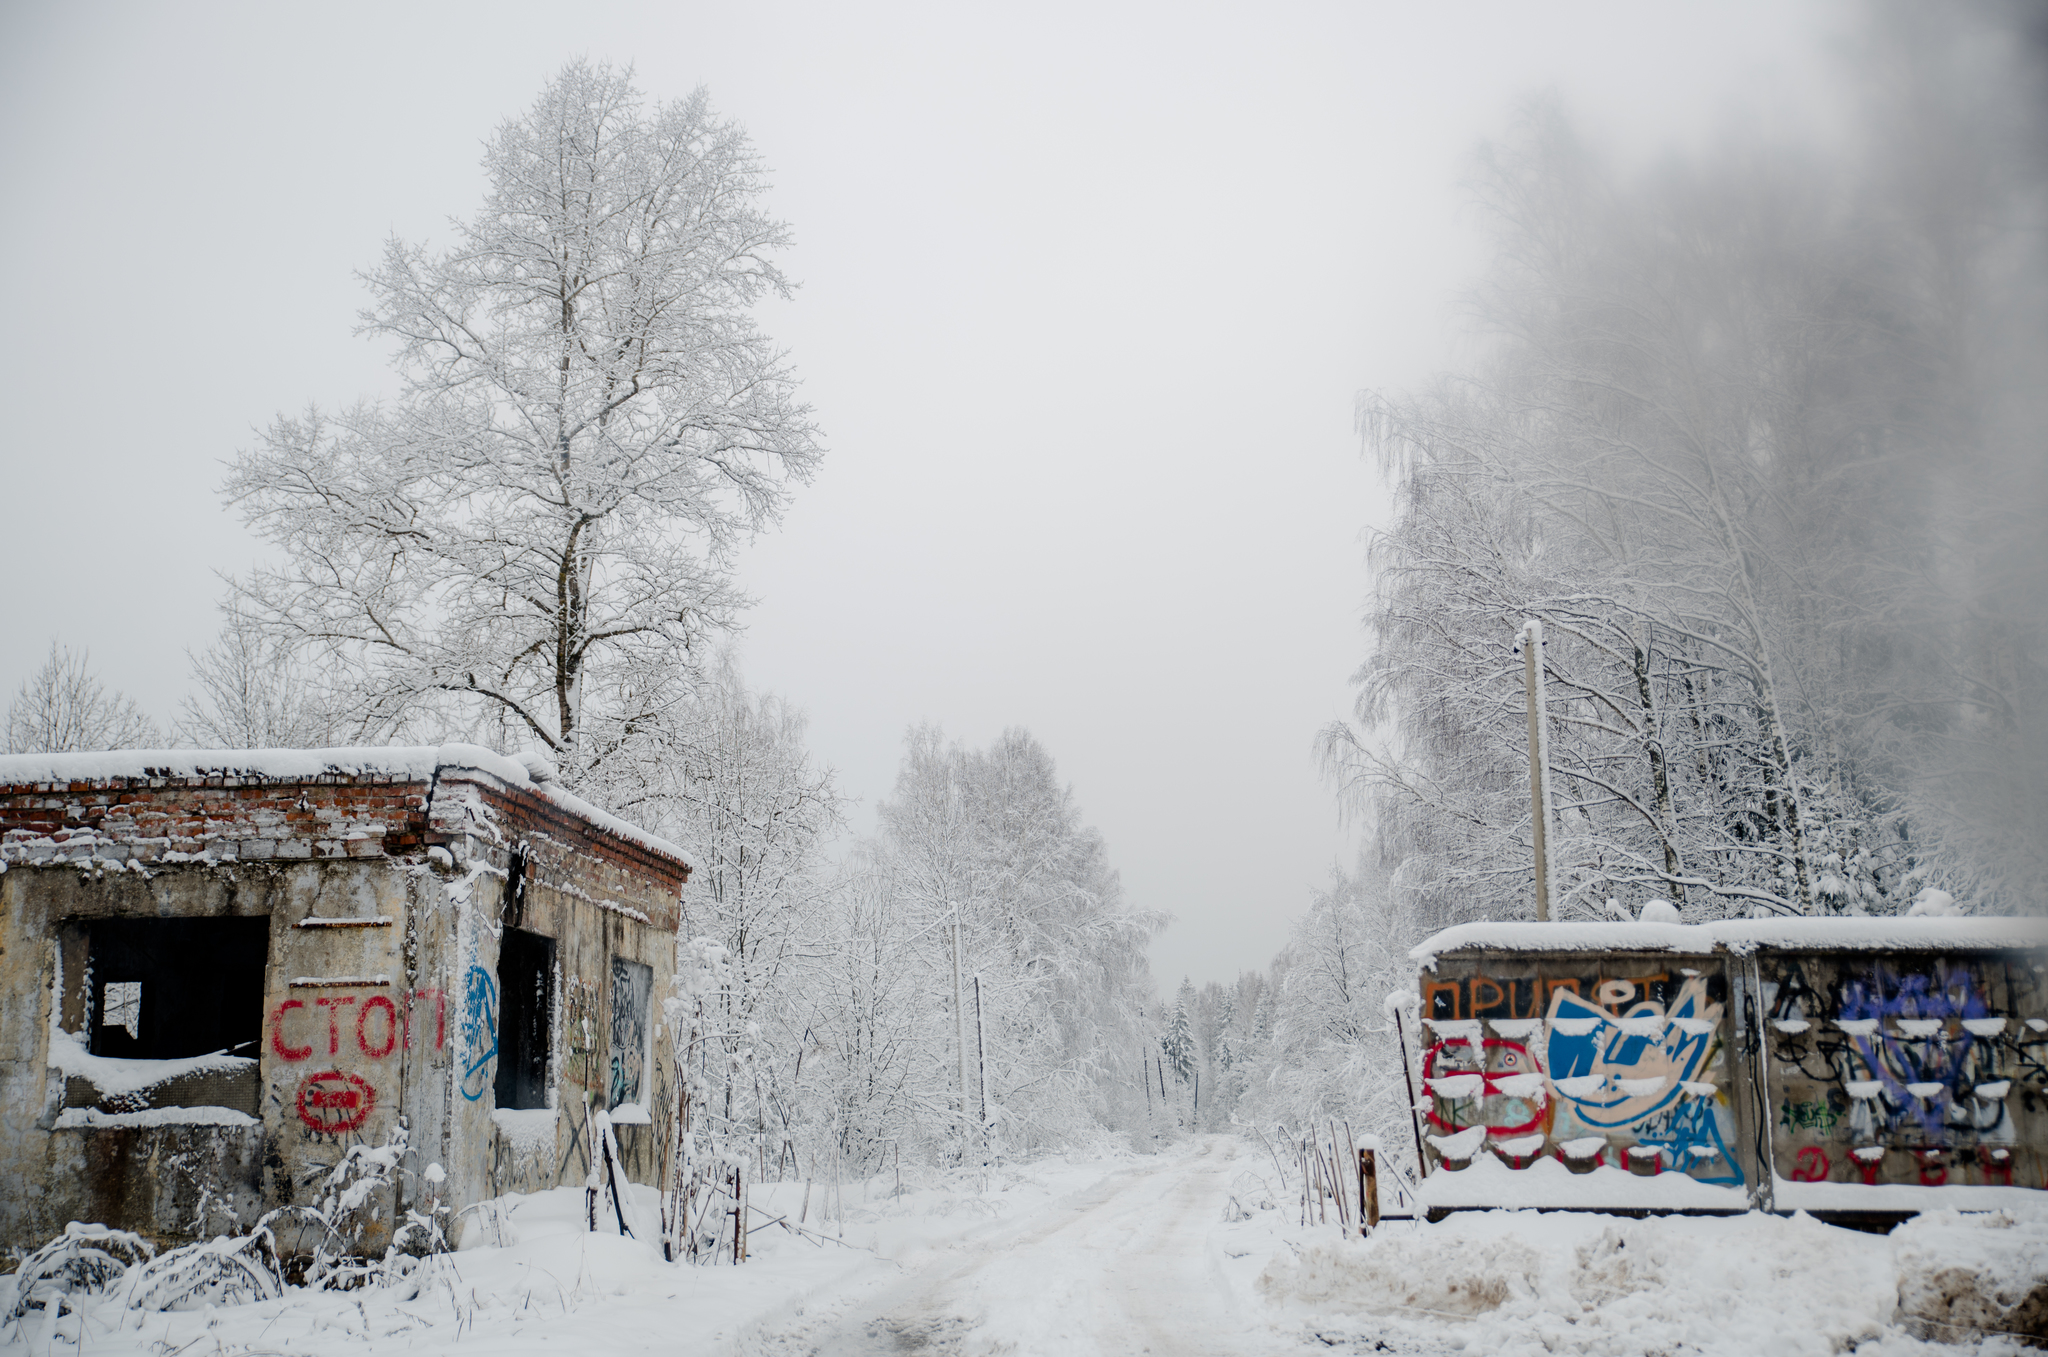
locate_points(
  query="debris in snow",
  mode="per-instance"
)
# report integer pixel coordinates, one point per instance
(121, 1079)
(91, 1118)
(1447, 1277)
(1963, 1277)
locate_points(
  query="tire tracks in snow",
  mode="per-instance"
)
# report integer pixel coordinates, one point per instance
(1128, 1265)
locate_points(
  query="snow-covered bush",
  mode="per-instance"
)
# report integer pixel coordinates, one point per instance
(81, 1262)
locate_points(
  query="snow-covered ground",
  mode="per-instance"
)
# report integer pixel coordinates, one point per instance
(1177, 1253)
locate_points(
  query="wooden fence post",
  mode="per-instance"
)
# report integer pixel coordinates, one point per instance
(1368, 1193)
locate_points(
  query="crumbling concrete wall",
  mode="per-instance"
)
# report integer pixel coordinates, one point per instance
(387, 896)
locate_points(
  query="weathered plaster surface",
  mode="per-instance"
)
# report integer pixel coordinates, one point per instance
(386, 902)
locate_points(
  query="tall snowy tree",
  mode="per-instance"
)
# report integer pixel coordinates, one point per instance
(1177, 1047)
(534, 540)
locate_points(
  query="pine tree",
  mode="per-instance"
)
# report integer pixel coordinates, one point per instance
(1177, 1047)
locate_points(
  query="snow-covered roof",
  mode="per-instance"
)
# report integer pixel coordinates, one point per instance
(1739, 936)
(421, 763)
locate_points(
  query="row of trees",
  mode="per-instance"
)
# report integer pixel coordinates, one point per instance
(533, 545)
(1756, 438)
(970, 982)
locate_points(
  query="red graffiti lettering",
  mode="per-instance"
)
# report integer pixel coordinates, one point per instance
(1812, 1166)
(1869, 1169)
(334, 1029)
(1933, 1173)
(334, 1102)
(284, 1050)
(1514, 1058)
(372, 1005)
(1997, 1165)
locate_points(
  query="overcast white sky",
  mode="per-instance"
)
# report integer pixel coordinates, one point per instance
(1088, 292)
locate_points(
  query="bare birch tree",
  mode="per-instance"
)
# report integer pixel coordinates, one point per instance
(537, 536)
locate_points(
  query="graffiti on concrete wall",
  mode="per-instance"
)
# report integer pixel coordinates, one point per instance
(582, 1035)
(479, 1032)
(1585, 1064)
(368, 1030)
(632, 988)
(1906, 1069)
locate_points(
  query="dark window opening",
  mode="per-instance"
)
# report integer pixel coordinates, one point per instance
(166, 988)
(515, 888)
(526, 994)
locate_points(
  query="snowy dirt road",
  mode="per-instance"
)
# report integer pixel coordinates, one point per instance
(1131, 1264)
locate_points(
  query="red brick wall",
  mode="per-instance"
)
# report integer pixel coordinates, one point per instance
(366, 815)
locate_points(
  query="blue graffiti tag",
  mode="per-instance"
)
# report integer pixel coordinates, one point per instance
(1898, 1062)
(1692, 1137)
(479, 1030)
(1607, 1047)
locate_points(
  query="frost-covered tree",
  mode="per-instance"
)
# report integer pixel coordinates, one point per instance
(992, 839)
(1330, 1053)
(253, 694)
(1742, 445)
(535, 538)
(64, 707)
(1177, 1047)
(740, 788)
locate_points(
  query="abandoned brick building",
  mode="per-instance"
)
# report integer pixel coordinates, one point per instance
(219, 970)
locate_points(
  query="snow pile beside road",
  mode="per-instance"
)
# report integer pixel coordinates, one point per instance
(1441, 1276)
(1964, 1274)
(1511, 1283)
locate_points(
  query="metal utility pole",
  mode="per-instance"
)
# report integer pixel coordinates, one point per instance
(1539, 761)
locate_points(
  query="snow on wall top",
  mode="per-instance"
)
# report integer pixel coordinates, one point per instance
(1739, 936)
(420, 763)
